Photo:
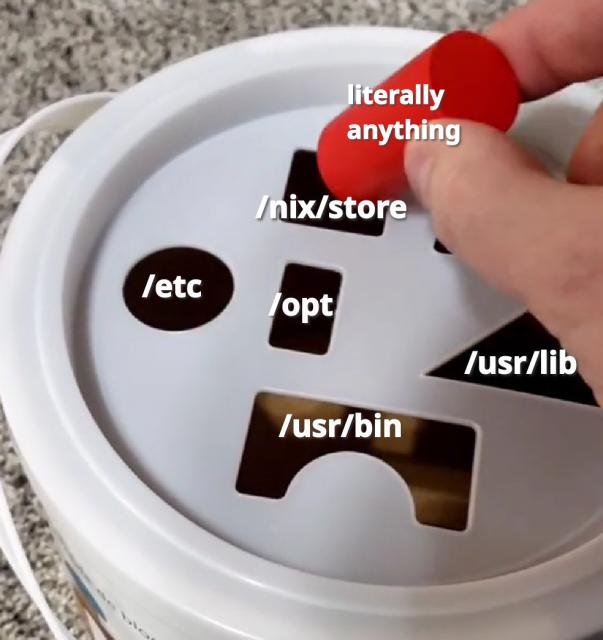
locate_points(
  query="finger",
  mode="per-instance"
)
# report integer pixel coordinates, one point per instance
(537, 239)
(552, 43)
(586, 165)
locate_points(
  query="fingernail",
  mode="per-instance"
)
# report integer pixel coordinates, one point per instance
(418, 165)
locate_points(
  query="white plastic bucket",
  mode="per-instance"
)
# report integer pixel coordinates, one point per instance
(180, 160)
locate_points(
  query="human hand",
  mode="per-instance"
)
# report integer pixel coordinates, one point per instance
(498, 210)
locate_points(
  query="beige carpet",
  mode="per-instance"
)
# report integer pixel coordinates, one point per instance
(50, 49)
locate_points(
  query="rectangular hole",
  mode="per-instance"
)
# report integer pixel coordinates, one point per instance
(306, 183)
(303, 282)
(435, 459)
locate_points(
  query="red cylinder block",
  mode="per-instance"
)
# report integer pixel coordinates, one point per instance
(479, 85)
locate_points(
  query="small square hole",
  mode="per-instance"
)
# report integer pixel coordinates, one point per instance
(306, 183)
(302, 282)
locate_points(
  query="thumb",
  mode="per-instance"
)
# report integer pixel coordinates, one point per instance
(530, 235)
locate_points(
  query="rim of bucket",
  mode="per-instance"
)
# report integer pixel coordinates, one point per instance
(51, 421)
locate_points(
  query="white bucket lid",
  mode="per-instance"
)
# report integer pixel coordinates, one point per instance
(183, 159)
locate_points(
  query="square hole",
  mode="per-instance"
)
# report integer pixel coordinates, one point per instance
(302, 282)
(306, 183)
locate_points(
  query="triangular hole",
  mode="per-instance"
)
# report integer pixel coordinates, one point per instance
(520, 337)
(440, 248)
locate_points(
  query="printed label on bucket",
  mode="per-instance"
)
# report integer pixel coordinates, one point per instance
(102, 614)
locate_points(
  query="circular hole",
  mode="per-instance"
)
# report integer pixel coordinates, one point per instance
(178, 288)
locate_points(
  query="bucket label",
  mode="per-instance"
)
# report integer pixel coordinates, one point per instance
(99, 609)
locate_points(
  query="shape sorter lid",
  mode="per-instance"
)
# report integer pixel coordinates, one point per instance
(482, 481)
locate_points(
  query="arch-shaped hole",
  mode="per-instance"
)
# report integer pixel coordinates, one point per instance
(434, 458)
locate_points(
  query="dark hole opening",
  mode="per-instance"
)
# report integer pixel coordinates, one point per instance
(306, 183)
(155, 296)
(434, 458)
(302, 282)
(440, 248)
(520, 337)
